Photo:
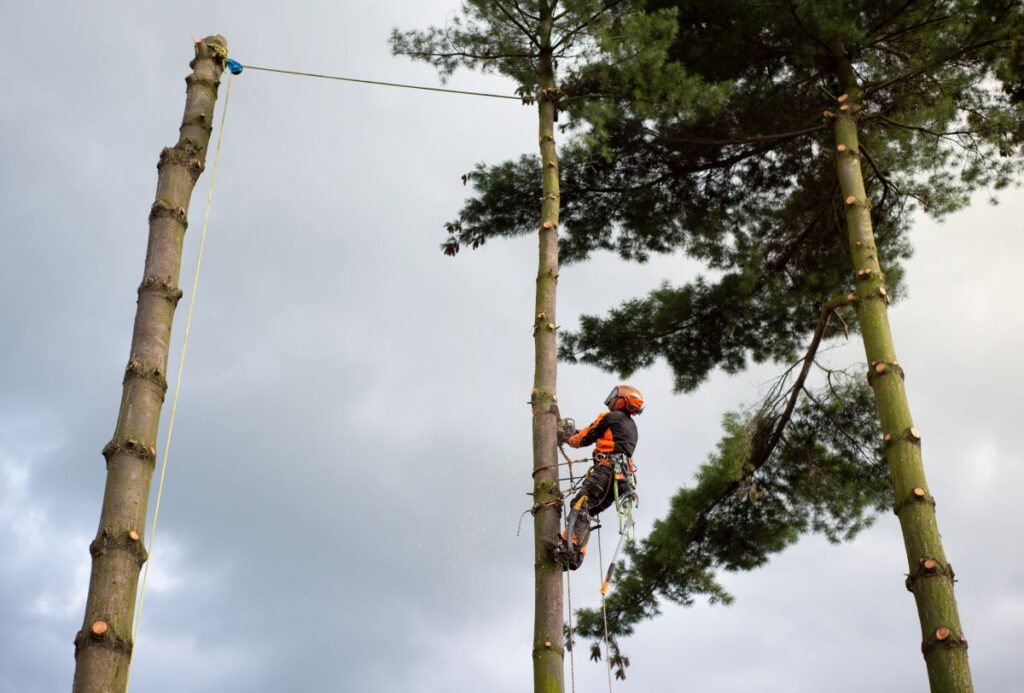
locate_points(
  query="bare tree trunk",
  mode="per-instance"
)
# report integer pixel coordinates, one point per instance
(548, 640)
(103, 647)
(930, 574)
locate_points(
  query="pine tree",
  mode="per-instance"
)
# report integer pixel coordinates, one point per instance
(548, 47)
(767, 189)
(103, 647)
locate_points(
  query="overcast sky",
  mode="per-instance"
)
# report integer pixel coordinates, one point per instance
(352, 449)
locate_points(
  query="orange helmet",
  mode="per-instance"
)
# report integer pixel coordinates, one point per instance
(625, 397)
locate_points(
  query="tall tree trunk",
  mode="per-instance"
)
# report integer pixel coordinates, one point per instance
(930, 574)
(548, 639)
(103, 647)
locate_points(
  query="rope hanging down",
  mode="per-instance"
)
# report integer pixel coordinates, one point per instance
(181, 368)
(568, 586)
(604, 610)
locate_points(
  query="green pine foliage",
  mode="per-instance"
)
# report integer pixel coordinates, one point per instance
(826, 474)
(593, 41)
(743, 179)
(726, 153)
(739, 174)
(940, 119)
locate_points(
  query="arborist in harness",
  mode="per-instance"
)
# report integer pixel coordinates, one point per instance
(610, 478)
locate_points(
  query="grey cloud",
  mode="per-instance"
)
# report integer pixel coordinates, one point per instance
(352, 448)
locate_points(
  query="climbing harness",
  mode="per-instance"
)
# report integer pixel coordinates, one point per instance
(624, 501)
(620, 483)
(624, 507)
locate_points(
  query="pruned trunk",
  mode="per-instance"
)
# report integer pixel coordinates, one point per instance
(930, 574)
(103, 647)
(548, 646)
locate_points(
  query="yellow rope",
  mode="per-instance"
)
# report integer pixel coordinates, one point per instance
(572, 645)
(568, 587)
(604, 609)
(177, 387)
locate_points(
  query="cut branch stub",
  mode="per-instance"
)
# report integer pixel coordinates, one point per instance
(842, 98)
(851, 200)
(133, 535)
(887, 437)
(841, 148)
(99, 627)
(914, 433)
(915, 497)
(548, 224)
(928, 568)
(942, 633)
(879, 368)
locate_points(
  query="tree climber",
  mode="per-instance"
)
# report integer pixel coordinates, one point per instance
(615, 435)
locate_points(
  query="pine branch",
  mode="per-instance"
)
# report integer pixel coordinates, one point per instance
(530, 35)
(570, 35)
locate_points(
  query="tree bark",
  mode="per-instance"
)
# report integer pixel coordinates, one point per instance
(930, 574)
(103, 647)
(548, 639)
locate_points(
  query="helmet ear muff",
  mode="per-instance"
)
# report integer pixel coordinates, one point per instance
(625, 397)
